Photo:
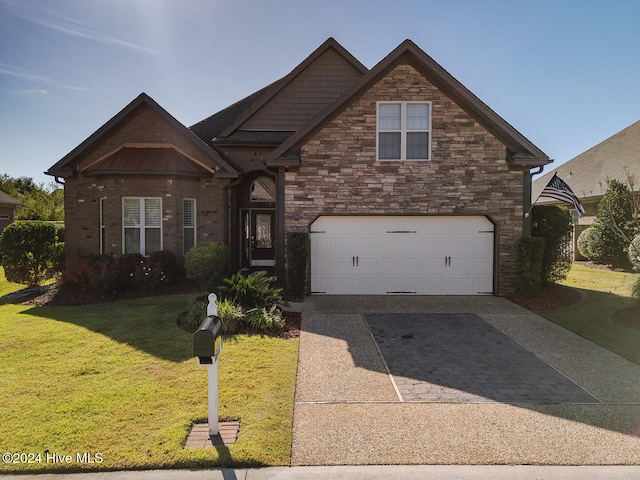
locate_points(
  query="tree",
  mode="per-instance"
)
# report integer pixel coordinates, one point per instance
(615, 224)
(40, 202)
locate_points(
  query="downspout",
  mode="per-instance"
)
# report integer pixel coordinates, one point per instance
(528, 180)
(58, 181)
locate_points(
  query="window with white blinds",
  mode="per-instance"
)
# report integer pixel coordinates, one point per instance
(188, 223)
(142, 225)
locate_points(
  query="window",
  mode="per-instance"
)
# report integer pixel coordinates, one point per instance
(403, 130)
(188, 223)
(103, 246)
(263, 189)
(142, 225)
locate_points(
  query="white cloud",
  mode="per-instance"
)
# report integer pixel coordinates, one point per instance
(23, 74)
(40, 15)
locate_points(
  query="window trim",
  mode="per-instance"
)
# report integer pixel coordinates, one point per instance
(143, 225)
(403, 131)
(192, 227)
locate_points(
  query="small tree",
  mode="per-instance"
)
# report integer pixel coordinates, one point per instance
(614, 226)
(30, 252)
(553, 225)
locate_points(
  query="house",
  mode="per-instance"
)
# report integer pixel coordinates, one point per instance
(617, 157)
(8, 206)
(405, 181)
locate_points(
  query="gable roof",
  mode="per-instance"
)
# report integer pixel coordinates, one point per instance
(69, 162)
(270, 115)
(8, 200)
(521, 151)
(587, 174)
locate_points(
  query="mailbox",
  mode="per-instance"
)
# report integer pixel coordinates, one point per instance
(204, 340)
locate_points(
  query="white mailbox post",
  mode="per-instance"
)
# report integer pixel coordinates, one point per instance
(204, 348)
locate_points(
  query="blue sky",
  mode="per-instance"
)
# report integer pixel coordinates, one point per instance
(565, 73)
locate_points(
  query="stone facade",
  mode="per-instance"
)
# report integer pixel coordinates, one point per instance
(467, 175)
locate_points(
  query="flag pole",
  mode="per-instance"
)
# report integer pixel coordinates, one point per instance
(533, 204)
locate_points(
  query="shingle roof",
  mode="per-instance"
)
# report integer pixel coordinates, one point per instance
(6, 199)
(522, 152)
(66, 165)
(587, 174)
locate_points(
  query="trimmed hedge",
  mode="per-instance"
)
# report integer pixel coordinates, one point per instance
(206, 263)
(31, 252)
(297, 246)
(530, 253)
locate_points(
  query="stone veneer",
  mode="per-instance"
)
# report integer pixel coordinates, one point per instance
(467, 175)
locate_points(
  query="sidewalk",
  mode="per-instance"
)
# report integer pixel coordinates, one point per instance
(417, 472)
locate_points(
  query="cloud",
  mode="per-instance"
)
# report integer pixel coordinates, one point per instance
(44, 17)
(39, 92)
(23, 74)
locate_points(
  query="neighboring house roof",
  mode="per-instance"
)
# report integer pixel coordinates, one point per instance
(587, 174)
(521, 151)
(8, 200)
(271, 115)
(70, 162)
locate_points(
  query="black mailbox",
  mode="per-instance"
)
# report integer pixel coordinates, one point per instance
(204, 340)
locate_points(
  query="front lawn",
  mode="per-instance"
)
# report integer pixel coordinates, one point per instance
(603, 294)
(119, 380)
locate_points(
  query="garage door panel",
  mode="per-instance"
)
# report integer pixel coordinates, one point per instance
(425, 255)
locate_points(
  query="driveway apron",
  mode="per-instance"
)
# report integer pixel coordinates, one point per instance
(456, 380)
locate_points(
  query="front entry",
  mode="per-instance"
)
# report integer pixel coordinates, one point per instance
(258, 239)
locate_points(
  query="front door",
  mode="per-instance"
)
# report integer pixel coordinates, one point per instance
(258, 239)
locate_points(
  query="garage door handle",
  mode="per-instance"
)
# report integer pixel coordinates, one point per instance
(355, 261)
(447, 261)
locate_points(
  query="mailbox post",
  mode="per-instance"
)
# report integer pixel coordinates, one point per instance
(204, 347)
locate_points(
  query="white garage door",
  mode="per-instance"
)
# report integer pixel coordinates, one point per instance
(389, 255)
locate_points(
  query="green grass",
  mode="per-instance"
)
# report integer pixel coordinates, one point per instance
(6, 286)
(119, 379)
(603, 294)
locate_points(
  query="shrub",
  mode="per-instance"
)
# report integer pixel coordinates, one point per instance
(256, 290)
(165, 261)
(614, 226)
(197, 310)
(30, 252)
(206, 263)
(633, 253)
(530, 253)
(553, 224)
(265, 319)
(585, 243)
(297, 262)
(231, 314)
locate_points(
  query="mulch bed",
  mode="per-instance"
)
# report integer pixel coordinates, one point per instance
(551, 297)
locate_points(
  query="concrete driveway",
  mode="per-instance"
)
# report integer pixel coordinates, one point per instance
(457, 380)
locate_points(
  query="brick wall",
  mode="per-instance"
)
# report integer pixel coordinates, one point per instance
(468, 173)
(83, 194)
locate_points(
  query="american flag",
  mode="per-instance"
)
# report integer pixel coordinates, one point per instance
(558, 189)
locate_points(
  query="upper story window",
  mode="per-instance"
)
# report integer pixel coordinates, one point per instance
(404, 130)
